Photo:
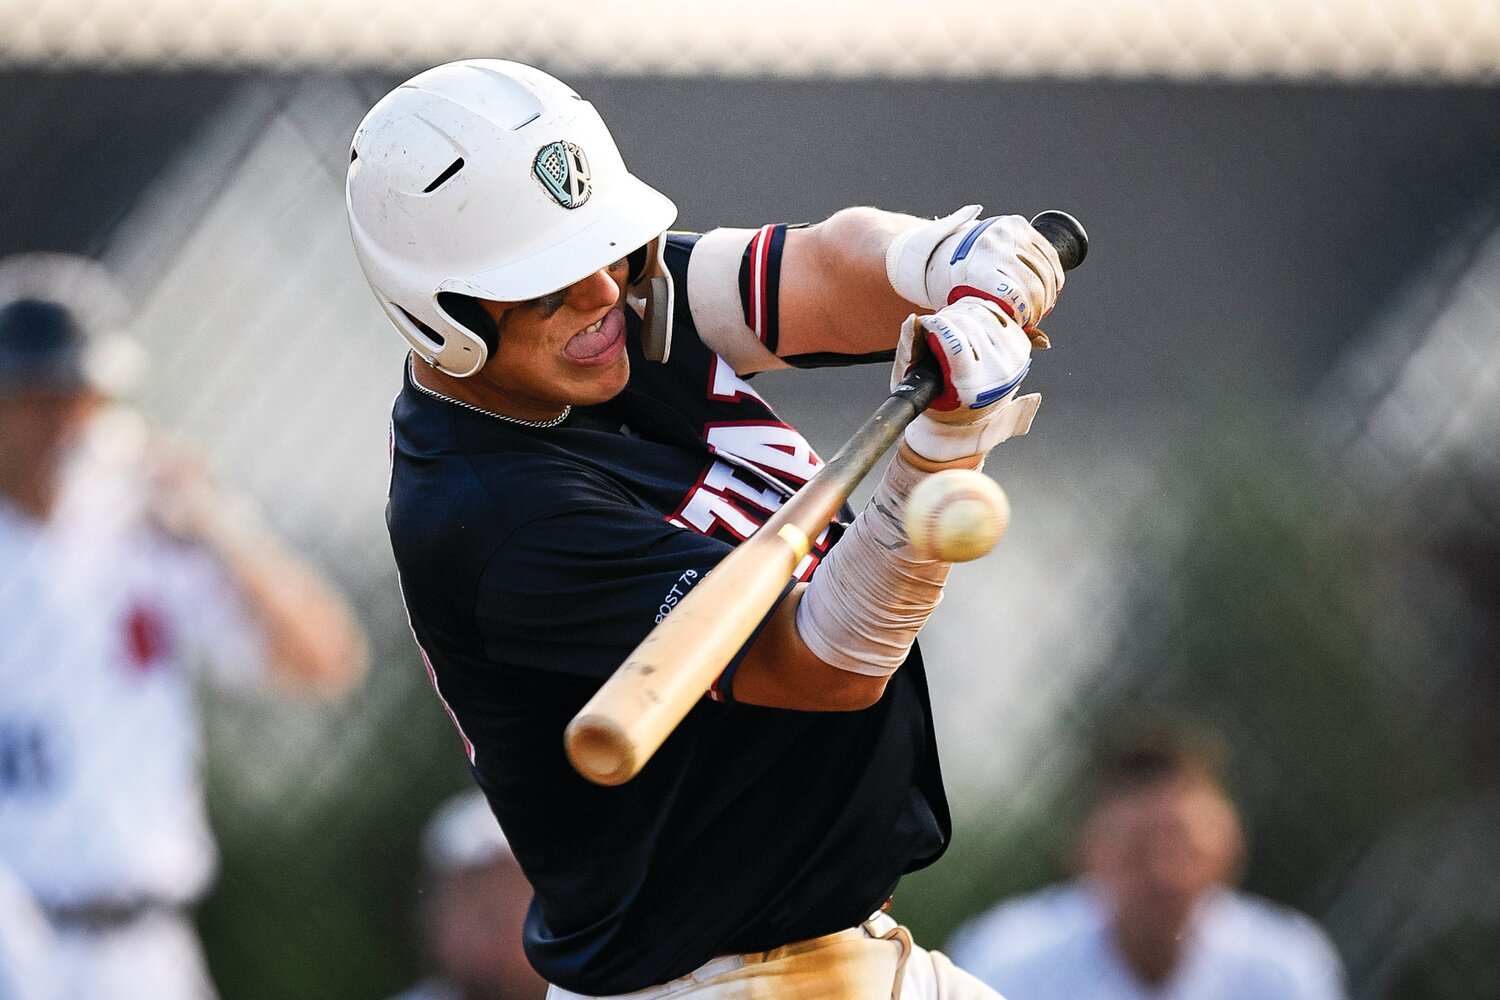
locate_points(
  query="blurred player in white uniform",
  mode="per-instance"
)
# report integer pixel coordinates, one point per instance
(123, 574)
(473, 906)
(1153, 916)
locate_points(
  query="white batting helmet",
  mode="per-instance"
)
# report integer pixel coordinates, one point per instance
(486, 179)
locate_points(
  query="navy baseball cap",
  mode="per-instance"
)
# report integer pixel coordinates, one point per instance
(42, 346)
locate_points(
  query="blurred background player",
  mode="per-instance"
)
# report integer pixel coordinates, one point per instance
(123, 570)
(473, 909)
(1152, 916)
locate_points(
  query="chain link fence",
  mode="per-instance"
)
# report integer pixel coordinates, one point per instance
(1349, 39)
(1262, 491)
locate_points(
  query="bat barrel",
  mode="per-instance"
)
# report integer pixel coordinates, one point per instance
(628, 719)
(601, 749)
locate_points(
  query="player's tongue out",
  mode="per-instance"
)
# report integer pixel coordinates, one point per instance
(598, 340)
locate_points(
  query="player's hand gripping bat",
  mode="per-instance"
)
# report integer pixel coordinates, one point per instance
(629, 718)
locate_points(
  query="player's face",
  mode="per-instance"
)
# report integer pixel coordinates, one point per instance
(474, 933)
(37, 428)
(564, 348)
(1159, 848)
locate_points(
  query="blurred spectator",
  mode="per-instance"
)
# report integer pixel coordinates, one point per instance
(1152, 916)
(122, 571)
(473, 909)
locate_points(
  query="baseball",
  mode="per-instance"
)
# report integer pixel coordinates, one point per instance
(956, 515)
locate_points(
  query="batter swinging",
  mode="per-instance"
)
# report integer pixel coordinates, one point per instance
(576, 445)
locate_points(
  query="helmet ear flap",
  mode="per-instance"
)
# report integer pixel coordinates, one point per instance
(466, 311)
(650, 285)
(637, 262)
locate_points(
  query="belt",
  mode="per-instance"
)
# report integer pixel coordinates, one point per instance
(109, 915)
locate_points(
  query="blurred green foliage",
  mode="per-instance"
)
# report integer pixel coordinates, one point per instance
(1267, 619)
(1461, 965)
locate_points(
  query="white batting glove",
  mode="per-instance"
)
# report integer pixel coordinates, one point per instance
(1001, 259)
(984, 355)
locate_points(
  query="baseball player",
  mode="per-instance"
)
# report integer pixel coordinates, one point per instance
(121, 574)
(1153, 915)
(576, 444)
(473, 904)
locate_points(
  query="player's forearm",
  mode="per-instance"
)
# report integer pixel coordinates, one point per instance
(313, 643)
(835, 293)
(780, 671)
(874, 591)
(832, 645)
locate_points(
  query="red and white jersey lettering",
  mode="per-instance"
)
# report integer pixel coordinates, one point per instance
(731, 497)
(706, 512)
(758, 461)
(725, 385)
(773, 447)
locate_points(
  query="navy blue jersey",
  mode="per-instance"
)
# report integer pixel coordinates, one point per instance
(533, 560)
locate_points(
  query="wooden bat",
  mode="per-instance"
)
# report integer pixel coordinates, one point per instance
(629, 718)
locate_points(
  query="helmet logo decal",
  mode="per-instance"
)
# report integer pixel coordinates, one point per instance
(564, 172)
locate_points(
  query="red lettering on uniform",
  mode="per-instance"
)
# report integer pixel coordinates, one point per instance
(804, 570)
(773, 447)
(705, 510)
(728, 496)
(727, 480)
(146, 638)
(724, 384)
(723, 498)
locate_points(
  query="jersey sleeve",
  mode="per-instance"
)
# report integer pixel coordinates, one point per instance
(735, 278)
(720, 278)
(1310, 961)
(575, 591)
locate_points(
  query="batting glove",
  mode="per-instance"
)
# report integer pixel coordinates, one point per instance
(1001, 259)
(984, 355)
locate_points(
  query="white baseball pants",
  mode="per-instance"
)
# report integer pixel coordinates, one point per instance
(874, 961)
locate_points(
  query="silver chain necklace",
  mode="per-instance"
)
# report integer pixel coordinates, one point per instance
(412, 374)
